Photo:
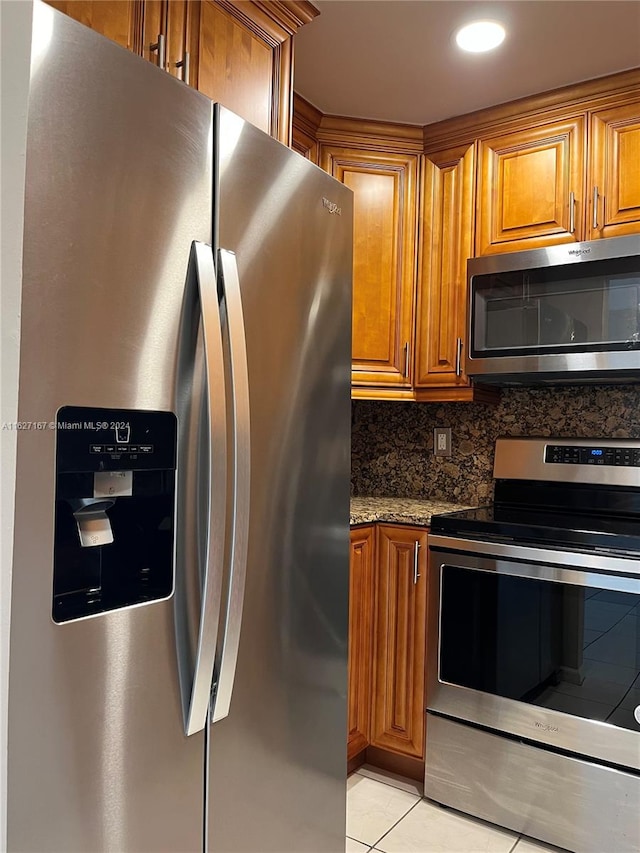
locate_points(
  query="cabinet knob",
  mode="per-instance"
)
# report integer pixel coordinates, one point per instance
(459, 357)
(416, 551)
(184, 64)
(572, 212)
(159, 47)
(405, 371)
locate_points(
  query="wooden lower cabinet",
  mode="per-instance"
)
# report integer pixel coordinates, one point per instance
(387, 646)
(398, 712)
(361, 566)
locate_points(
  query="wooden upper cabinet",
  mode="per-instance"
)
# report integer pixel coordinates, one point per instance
(398, 721)
(614, 172)
(446, 241)
(245, 58)
(119, 20)
(531, 187)
(360, 637)
(384, 187)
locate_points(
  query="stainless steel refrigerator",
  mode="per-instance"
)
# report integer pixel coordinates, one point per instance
(180, 574)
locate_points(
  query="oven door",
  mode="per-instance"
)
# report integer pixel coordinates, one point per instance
(540, 644)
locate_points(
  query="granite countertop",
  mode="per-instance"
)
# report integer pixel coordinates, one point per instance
(399, 510)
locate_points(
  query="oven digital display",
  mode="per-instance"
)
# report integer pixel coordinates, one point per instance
(567, 454)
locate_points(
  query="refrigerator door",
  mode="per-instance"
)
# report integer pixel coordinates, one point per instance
(277, 761)
(119, 177)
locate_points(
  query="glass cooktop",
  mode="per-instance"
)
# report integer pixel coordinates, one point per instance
(539, 526)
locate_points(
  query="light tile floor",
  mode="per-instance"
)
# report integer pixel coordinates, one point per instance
(387, 813)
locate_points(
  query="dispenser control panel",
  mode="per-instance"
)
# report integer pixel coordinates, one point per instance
(115, 440)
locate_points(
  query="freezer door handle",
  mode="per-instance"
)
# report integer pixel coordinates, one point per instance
(201, 313)
(225, 669)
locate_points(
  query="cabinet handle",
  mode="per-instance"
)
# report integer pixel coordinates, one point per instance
(406, 360)
(595, 208)
(572, 212)
(184, 64)
(159, 47)
(459, 357)
(416, 551)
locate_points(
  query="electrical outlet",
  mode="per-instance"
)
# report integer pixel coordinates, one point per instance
(442, 441)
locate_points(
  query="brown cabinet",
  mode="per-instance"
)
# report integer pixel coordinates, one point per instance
(446, 241)
(531, 187)
(398, 712)
(385, 197)
(119, 20)
(361, 565)
(237, 52)
(614, 171)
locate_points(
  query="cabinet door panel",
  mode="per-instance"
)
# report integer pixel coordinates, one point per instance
(447, 242)
(525, 182)
(614, 171)
(398, 719)
(360, 638)
(118, 20)
(384, 189)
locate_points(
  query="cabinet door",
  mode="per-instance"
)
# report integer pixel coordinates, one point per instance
(614, 172)
(244, 62)
(119, 20)
(398, 720)
(446, 238)
(384, 187)
(531, 187)
(360, 637)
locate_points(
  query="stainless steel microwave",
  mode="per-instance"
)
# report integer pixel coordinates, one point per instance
(564, 314)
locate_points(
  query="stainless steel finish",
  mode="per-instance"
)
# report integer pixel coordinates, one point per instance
(294, 267)
(572, 212)
(565, 253)
(185, 64)
(241, 488)
(624, 566)
(595, 208)
(459, 357)
(160, 48)
(552, 368)
(95, 714)
(577, 805)
(405, 371)
(523, 459)
(416, 551)
(201, 307)
(601, 741)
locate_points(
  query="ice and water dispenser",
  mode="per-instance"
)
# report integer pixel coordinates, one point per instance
(114, 510)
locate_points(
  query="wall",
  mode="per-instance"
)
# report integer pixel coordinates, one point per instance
(392, 442)
(14, 78)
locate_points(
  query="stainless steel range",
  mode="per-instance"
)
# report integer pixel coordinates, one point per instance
(533, 711)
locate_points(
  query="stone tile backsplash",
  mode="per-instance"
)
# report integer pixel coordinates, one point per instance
(392, 442)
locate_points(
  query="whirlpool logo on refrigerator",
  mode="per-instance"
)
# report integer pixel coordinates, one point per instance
(331, 206)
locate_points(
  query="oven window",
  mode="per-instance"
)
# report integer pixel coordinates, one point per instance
(570, 648)
(575, 307)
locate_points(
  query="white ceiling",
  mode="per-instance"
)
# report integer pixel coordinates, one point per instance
(395, 60)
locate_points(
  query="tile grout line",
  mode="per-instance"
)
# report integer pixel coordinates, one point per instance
(384, 834)
(517, 841)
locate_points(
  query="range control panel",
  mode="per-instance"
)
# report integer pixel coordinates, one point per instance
(627, 457)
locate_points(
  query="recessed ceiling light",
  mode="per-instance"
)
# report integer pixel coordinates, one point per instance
(480, 36)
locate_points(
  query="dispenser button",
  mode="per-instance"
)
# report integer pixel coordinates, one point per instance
(96, 448)
(145, 448)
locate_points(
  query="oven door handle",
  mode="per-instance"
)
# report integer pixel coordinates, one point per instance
(527, 555)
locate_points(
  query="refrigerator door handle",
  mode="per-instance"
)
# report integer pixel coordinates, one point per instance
(241, 480)
(201, 307)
